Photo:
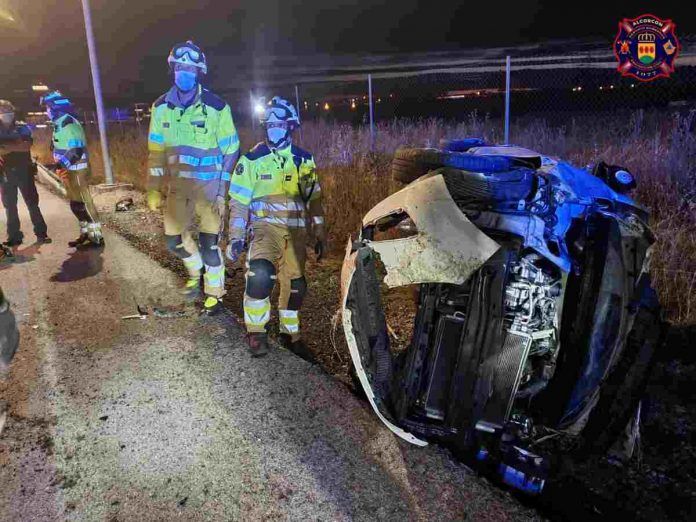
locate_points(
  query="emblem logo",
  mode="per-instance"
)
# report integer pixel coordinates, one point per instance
(646, 47)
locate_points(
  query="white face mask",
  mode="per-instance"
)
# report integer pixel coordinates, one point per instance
(7, 118)
(276, 135)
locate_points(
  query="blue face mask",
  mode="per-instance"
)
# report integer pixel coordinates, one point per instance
(185, 80)
(276, 135)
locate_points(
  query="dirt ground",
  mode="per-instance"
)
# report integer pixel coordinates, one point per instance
(170, 418)
(660, 484)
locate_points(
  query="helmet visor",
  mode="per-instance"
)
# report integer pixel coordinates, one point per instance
(193, 54)
(276, 114)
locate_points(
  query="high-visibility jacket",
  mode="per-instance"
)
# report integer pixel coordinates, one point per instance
(197, 142)
(69, 143)
(275, 186)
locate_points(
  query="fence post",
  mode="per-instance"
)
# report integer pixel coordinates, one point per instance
(372, 116)
(507, 100)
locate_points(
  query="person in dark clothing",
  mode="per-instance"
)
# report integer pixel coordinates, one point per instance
(17, 175)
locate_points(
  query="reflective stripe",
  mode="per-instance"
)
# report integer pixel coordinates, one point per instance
(258, 205)
(204, 176)
(185, 159)
(78, 166)
(318, 220)
(228, 140)
(225, 176)
(238, 223)
(214, 275)
(273, 220)
(289, 321)
(76, 144)
(193, 264)
(156, 171)
(157, 138)
(243, 194)
(257, 312)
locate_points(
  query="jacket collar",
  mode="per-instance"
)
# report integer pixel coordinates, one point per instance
(172, 97)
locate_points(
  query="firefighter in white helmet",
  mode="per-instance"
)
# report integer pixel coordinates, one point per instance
(276, 197)
(193, 146)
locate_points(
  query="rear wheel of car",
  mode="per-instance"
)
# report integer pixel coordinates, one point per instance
(410, 164)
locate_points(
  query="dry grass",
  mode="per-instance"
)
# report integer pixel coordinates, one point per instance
(659, 149)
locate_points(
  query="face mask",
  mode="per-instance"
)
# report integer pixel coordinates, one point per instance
(185, 80)
(7, 118)
(276, 135)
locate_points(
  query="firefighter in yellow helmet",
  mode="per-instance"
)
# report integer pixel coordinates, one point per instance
(193, 146)
(275, 193)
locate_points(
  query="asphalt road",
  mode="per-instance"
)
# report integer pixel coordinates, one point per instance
(169, 418)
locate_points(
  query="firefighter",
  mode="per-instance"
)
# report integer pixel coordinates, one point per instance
(275, 194)
(193, 146)
(69, 147)
(17, 172)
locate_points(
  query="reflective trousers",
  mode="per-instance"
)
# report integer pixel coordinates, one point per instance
(77, 188)
(190, 202)
(285, 248)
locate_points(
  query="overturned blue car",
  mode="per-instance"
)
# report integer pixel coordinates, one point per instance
(536, 324)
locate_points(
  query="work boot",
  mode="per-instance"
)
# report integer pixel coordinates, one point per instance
(85, 241)
(297, 346)
(43, 240)
(212, 305)
(258, 343)
(192, 288)
(13, 242)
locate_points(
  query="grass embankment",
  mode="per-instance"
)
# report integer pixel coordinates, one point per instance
(660, 150)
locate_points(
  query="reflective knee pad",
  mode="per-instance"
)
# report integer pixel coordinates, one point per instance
(210, 252)
(260, 279)
(298, 290)
(80, 211)
(175, 244)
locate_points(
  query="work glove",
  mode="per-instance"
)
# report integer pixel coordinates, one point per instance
(62, 174)
(235, 247)
(154, 200)
(221, 206)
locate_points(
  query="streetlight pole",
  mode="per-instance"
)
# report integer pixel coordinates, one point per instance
(96, 82)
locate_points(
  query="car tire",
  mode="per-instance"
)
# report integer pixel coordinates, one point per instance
(410, 164)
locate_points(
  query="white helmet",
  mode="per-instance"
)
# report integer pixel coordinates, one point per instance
(188, 53)
(280, 110)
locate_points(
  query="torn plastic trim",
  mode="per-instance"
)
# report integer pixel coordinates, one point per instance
(447, 247)
(347, 273)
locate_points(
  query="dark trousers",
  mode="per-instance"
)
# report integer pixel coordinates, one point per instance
(22, 182)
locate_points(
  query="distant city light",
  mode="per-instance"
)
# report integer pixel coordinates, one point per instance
(326, 106)
(611, 86)
(633, 85)
(258, 108)
(601, 88)
(352, 104)
(39, 87)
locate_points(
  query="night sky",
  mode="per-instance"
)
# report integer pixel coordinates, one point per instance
(46, 41)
